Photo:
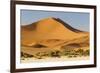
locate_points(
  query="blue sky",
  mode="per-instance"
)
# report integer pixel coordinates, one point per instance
(75, 19)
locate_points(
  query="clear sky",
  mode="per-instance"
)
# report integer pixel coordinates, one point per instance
(75, 19)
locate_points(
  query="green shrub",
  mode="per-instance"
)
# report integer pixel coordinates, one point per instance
(25, 55)
(86, 53)
(55, 53)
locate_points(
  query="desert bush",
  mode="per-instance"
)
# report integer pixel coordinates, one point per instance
(38, 55)
(66, 53)
(25, 55)
(70, 56)
(80, 52)
(45, 54)
(22, 54)
(41, 55)
(86, 53)
(55, 53)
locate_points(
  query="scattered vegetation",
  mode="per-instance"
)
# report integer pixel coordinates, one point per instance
(75, 53)
(25, 55)
(55, 53)
(70, 53)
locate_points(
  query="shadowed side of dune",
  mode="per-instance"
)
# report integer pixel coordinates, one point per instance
(67, 25)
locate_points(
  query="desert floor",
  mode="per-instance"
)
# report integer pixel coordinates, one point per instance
(72, 55)
(49, 59)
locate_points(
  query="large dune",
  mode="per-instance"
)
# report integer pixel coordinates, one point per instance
(49, 32)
